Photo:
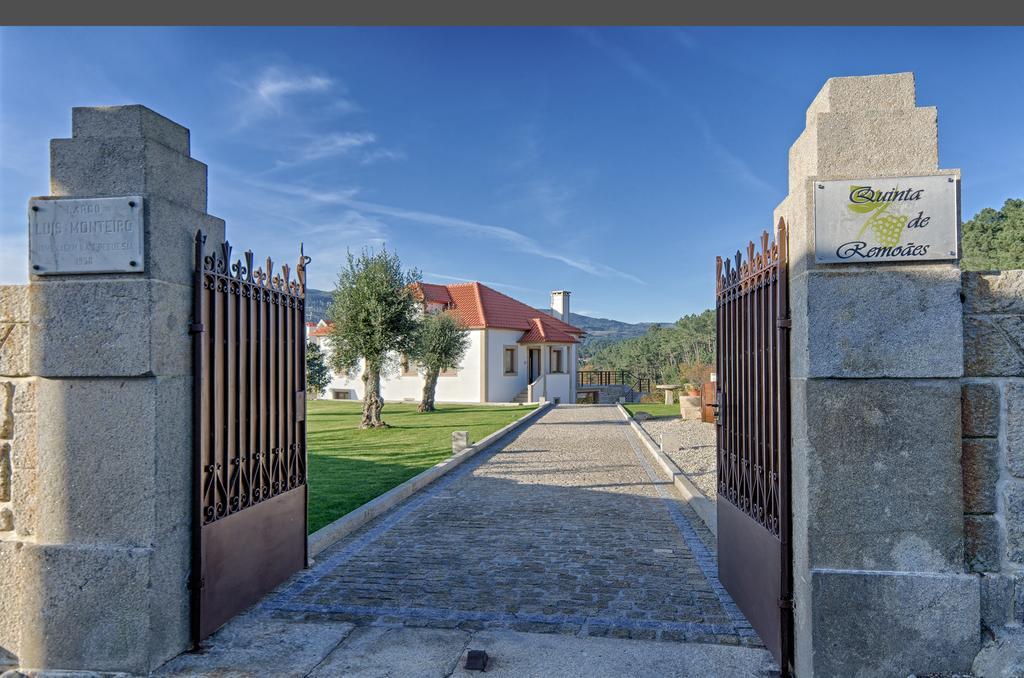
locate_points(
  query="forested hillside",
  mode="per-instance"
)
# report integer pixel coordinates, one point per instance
(994, 239)
(679, 353)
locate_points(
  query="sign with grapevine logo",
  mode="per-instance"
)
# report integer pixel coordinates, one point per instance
(864, 221)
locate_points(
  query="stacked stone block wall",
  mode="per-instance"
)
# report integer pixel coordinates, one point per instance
(17, 458)
(993, 442)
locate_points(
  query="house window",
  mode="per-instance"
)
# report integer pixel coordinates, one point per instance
(408, 367)
(511, 360)
(337, 394)
(557, 365)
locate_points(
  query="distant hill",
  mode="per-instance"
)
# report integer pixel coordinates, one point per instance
(604, 331)
(600, 331)
(317, 302)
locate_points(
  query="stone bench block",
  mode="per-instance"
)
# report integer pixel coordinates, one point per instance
(878, 323)
(689, 407)
(860, 435)
(460, 441)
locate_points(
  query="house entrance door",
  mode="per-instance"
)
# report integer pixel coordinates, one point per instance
(534, 364)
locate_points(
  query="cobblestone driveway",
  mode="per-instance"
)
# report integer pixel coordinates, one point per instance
(565, 528)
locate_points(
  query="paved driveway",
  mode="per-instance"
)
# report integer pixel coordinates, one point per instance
(565, 530)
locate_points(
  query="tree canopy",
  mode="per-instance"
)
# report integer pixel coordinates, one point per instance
(994, 239)
(375, 318)
(441, 343)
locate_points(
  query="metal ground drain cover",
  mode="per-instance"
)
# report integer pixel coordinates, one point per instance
(476, 660)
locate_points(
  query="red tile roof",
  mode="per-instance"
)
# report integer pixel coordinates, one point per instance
(318, 330)
(478, 306)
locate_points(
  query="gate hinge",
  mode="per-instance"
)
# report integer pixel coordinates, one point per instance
(786, 603)
(195, 328)
(196, 583)
(785, 323)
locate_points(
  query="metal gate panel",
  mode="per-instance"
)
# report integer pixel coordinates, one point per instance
(754, 558)
(249, 432)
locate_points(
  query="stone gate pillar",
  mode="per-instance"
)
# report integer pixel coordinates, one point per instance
(104, 577)
(876, 353)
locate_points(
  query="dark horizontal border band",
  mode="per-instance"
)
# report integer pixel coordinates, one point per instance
(512, 12)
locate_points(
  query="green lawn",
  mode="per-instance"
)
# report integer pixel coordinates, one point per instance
(348, 466)
(654, 409)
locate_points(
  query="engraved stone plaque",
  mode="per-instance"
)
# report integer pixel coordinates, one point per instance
(881, 220)
(85, 235)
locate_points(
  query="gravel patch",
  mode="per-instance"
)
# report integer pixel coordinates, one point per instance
(697, 455)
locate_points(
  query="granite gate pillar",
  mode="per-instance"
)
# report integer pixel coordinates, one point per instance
(103, 574)
(876, 356)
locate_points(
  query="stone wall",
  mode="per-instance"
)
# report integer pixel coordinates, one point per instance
(94, 574)
(876, 363)
(993, 442)
(17, 458)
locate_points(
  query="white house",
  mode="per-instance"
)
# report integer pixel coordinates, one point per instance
(516, 352)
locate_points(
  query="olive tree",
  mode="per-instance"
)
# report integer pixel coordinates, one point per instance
(441, 343)
(375, 317)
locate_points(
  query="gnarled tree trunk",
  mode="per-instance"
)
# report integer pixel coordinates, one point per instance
(429, 386)
(372, 402)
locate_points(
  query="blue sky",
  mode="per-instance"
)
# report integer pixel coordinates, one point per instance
(613, 162)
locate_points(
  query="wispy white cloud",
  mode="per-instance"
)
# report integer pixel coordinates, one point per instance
(625, 59)
(327, 146)
(511, 238)
(275, 84)
(684, 38)
(352, 225)
(376, 155)
(489, 283)
(269, 93)
(552, 200)
(345, 105)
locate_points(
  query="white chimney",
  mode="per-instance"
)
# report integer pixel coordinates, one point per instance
(560, 304)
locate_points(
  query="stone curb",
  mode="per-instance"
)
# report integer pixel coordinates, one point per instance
(348, 523)
(696, 499)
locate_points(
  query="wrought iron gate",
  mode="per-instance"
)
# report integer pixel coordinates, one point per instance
(249, 531)
(754, 561)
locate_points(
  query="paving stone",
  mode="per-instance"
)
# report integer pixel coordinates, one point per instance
(559, 531)
(255, 646)
(370, 652)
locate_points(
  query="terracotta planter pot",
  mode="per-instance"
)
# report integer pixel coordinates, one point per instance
(693, 392)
